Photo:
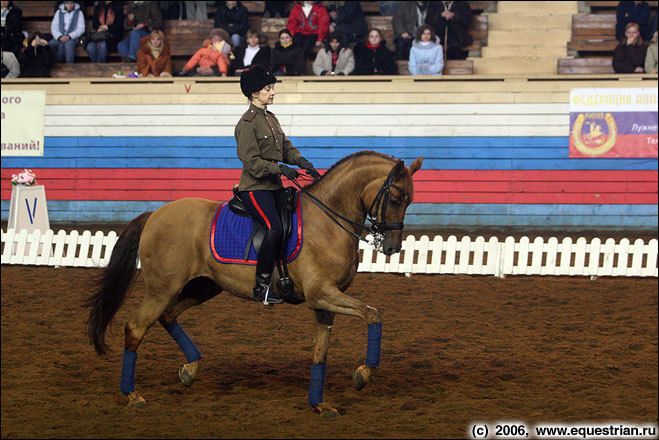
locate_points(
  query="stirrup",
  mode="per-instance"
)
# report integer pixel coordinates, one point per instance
(266, 300)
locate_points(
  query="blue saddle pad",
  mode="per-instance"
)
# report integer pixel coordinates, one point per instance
(230, 232)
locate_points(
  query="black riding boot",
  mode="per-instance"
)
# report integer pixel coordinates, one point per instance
(263, 291)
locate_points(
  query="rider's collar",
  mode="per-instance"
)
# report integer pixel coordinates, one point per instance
(255, 107)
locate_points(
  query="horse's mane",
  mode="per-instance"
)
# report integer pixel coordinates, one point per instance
(349, 158)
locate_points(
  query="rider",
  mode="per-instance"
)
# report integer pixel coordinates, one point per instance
(262, 144)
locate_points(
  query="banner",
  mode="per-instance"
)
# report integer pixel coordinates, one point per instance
(22, 122)
(613, 123)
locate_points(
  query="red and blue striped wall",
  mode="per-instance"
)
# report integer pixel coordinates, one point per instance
(465, 181)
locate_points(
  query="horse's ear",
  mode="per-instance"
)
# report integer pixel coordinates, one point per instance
(416, 165)
(398, 168)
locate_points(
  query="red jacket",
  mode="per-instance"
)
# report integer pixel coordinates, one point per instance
(208, 57)
(316, 23)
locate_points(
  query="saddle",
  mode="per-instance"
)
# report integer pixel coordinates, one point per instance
(286, 202)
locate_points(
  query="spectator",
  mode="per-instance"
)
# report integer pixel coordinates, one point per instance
(12, 28)
(452, 27)
(275, 9)
(10, 67)
(37, 58)
(407, 19)
(142, 18)
(651, 56)
(108, 30)
(309, 25)
(632, 12)
(387, 7)
(348, 19)
(67, 27)
(250, 54)
(287, 57)
(373, 58)
(234, 18)
(196, 11)
(426, 56)
(629, 55)
(212, 58)
(334, 58)
(154, 57)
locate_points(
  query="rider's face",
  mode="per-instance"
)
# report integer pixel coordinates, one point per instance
(265, 96)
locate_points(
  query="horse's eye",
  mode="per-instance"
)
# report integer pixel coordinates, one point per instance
(395, 203)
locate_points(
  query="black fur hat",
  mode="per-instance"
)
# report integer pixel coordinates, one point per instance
(254, 79)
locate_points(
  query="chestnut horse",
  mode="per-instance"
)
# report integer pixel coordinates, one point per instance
(180, 271)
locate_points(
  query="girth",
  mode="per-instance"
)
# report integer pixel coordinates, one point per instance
(286, 205)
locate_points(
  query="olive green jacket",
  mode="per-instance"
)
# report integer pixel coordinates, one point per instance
(261, 144)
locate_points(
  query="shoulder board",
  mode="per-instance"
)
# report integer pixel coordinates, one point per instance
(249, 115)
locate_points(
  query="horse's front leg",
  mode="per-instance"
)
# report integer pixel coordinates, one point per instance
(324, 321)
(335, 301)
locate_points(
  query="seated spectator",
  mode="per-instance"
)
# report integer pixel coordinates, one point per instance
(373, 58)
(334, 58)
(250, 54)
(142, 18)
(234, 18)
(407, 19)
(67, 27)
(629, 55)
(426, 56)
(452, 27)
(12, 28)
(108, 30)
(212, 59)
(633, 12)
(348, 19)
(651, 56)
(387, 7)
(10, 67)
(309, 25)
(287, 57)
(275, 9)
(154, 58)
(37, 59)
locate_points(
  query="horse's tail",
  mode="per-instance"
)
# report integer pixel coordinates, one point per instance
(114, 282)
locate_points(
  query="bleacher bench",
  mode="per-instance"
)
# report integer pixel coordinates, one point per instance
(585, 65)
(593, 33)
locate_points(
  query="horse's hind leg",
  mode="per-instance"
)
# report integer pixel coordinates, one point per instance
(194, 293)
(151, 308)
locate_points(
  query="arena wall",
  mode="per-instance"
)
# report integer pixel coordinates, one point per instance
(495, 149)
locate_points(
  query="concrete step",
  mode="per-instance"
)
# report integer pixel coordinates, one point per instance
(517, 65)
(521, 51)
(547, 37)
(523, 21)
(538, 6)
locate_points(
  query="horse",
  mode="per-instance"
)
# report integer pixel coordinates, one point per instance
(179, 270)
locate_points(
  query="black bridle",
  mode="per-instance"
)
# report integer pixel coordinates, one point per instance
(380, 202)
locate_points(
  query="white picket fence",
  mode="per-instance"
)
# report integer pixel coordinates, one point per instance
(436, 256)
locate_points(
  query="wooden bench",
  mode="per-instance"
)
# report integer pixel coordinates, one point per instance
(451, 67)
(585, 65)
(593, 33)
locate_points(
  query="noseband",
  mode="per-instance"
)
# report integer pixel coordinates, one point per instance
(378, 228)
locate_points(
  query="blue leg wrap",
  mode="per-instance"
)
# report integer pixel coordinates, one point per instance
(128, 372)
(373, 348)
(183, 340)
(317, 383)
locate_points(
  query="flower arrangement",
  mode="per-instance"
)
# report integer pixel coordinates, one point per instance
(26, 177)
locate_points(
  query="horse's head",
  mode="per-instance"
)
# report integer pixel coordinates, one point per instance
(388, 199)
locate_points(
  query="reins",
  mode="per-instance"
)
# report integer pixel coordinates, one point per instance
(380, 201)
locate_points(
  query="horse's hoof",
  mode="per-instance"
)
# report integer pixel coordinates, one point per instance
(326, 411)
(358, 381)
(135, 401)
(186, 376)
(361, 377)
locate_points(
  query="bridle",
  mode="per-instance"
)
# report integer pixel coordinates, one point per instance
(380, 202)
